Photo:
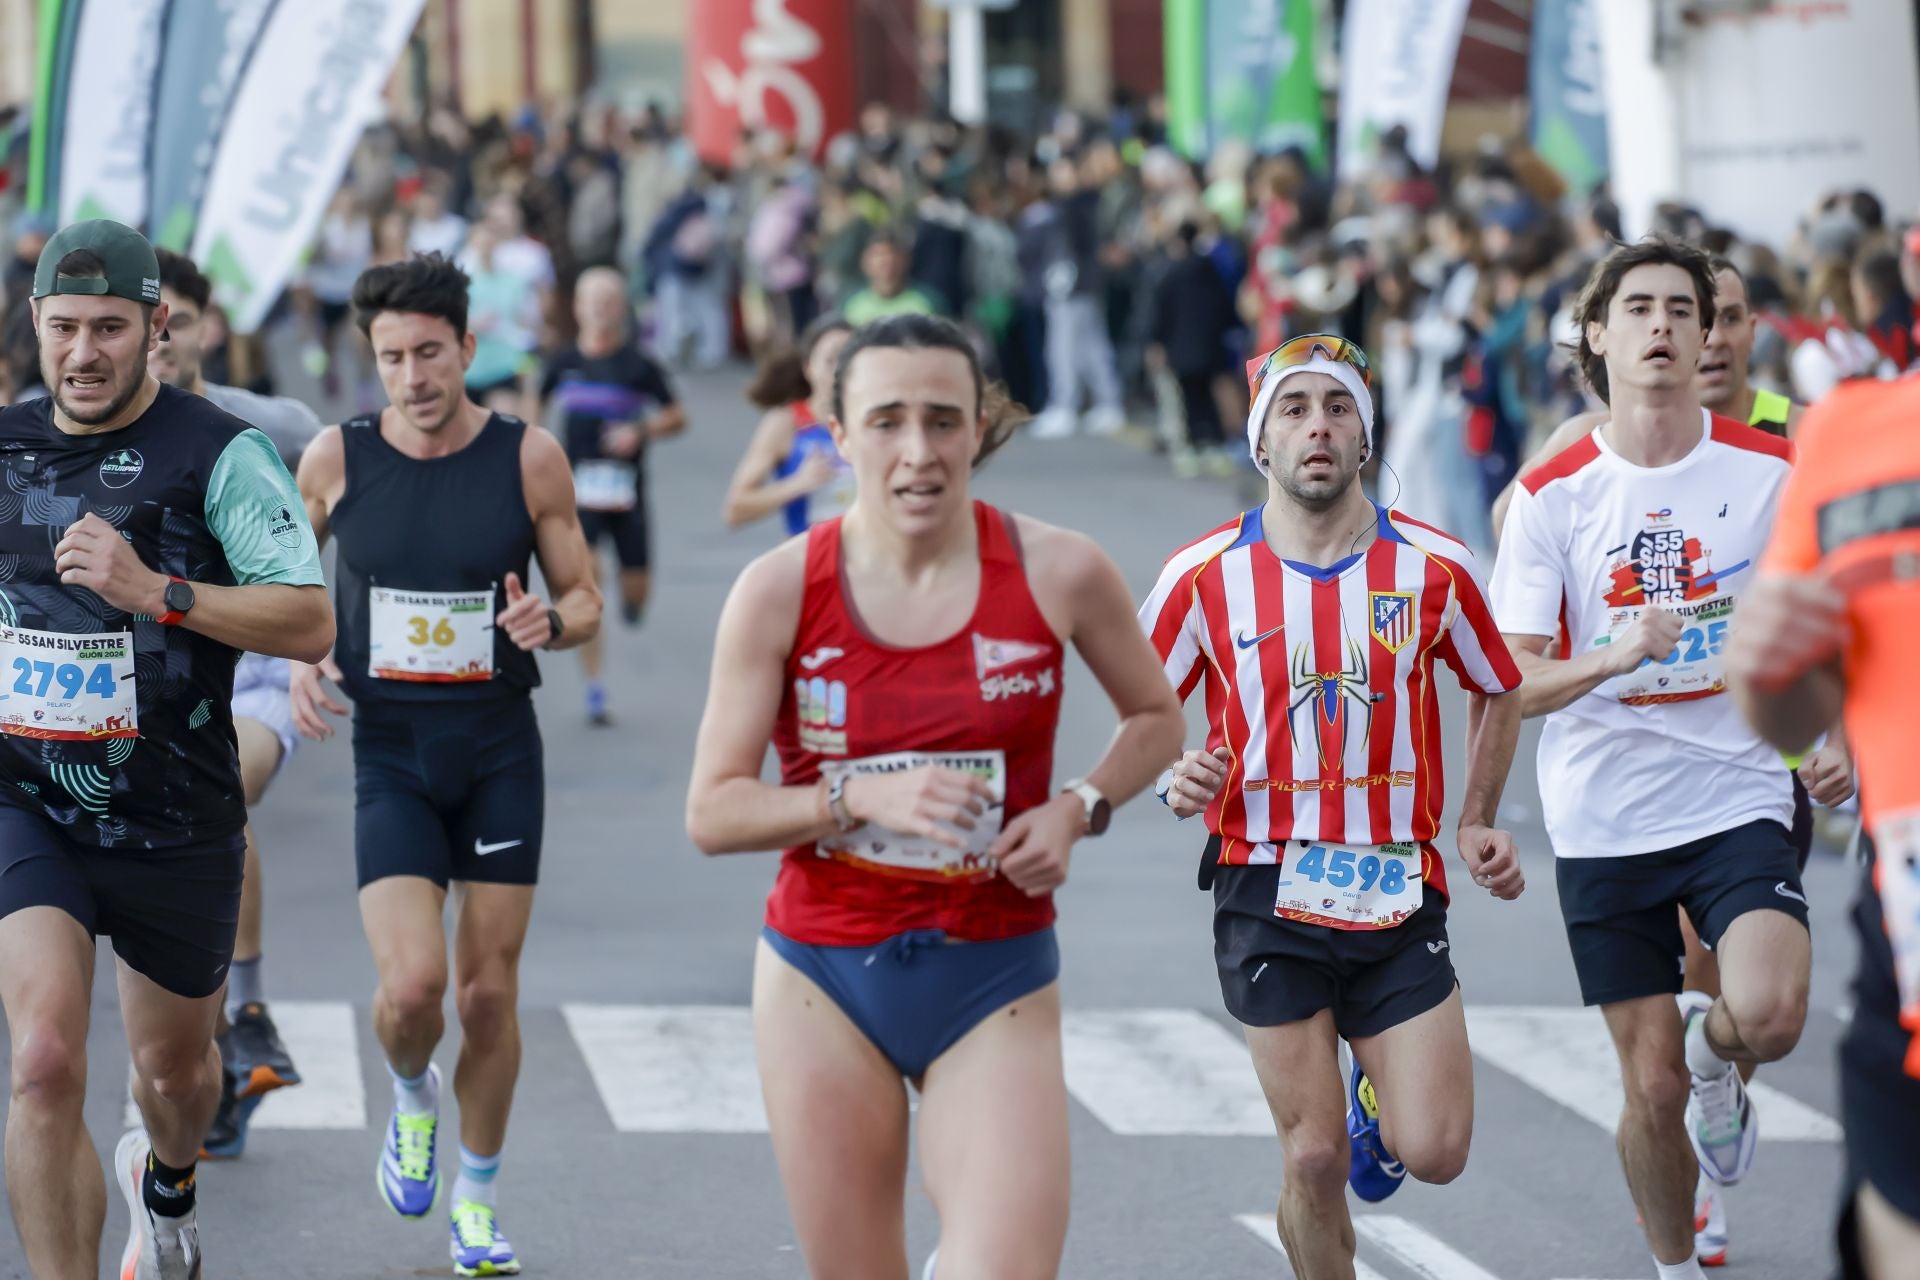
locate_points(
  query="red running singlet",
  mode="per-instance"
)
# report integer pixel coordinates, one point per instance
(985, 700)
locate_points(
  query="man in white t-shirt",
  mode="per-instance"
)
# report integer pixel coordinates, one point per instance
(1631, 548)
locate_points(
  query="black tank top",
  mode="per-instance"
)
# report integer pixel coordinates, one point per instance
(458, 523)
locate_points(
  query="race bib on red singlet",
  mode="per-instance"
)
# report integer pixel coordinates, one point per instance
(1341, 886)
(874, 848)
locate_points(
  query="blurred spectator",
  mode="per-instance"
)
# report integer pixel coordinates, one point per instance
(779, 253)
(686, 263)
(1079, 348)
(888, 292)
(435, 227)
(343, 251)
(31, 231)
(1885, 309)
(1192, 314)
(503, 314)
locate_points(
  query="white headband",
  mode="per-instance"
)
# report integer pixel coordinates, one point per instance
(1339, 370)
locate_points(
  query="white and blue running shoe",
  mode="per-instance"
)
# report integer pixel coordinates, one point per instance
(478, 1247)
(409, 1172)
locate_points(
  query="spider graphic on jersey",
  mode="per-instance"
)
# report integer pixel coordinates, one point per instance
(1323, 695)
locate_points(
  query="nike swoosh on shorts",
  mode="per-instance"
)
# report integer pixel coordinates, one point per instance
(484, 849)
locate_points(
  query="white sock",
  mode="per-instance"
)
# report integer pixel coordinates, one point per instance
(417, 1096)
(1688, 1270)
(1701, 1059)
(476, 1180)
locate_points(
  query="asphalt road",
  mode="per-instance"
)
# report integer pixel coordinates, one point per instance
(636, 1148)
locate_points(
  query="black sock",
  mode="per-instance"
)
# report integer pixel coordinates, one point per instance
(166, 1190)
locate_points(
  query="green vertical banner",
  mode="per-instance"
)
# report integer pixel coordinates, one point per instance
(1567, 90)
(57, 22)
(1186, 53)
(1244, 70)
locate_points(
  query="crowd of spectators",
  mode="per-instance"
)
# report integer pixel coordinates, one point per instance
(1107, 279)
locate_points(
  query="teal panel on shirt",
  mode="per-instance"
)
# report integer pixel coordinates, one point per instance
(254, 508)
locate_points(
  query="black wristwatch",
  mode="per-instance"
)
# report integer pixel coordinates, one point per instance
(558, 624)
(179, 600)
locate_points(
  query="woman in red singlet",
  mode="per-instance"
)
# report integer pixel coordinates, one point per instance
(905, 660)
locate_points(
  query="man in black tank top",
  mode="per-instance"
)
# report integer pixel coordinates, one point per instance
(146, 538)
(439, 506)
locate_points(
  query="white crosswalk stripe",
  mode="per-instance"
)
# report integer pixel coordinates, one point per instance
(1262, 1225)
(1567, 1055)
(323, 1038)
(1427, 1256)
(672, 1068)
(1163, 1072)
(1139, 1072)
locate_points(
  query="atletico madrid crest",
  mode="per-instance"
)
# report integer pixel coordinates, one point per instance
(1392, 618)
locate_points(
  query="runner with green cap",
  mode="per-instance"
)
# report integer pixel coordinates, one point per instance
(149, 538)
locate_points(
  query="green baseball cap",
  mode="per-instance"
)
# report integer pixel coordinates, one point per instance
(133, 271)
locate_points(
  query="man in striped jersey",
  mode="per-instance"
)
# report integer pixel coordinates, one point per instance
(1631, 547)
(1314, 622)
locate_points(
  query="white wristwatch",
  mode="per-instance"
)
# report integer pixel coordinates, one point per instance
(1099, 812)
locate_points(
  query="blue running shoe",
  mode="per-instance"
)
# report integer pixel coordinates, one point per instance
(478, 1247)
(1372, 1172)
(408, 1173)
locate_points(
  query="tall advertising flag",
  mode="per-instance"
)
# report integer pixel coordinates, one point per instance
(310, 87)
(769, 64)
(1244, 70)
(208, 43)
(1566, 82)
(98, 85)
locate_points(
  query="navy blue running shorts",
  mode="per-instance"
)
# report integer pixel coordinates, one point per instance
(1620, 917)
(917, 993)
(171, 912)
(1274, 970)
(448, 791)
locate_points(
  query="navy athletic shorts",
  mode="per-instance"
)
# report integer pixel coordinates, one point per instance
(1620, 917)
(917, 993)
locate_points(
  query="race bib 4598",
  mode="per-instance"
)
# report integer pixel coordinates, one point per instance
(1348, 886)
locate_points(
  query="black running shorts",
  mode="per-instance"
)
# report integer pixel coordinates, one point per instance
(448, 791)
(1275, 971)
(171, 912)
(1620, 917)
(626, 529)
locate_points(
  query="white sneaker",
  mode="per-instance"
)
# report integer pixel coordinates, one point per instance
(1053, 424)
(158, 1248)
(1105, 422)
(1709, 1224)
(1721, 1125)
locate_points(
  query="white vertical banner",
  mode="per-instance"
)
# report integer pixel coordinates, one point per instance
(311, 86)
(1782, 105)
(111, 80)
(1396, 66)
(1751, 117)
(1643, 113)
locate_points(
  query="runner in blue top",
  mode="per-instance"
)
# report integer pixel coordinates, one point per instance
(792, 465)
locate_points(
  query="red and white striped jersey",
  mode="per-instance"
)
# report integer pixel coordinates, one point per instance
(1319, 682)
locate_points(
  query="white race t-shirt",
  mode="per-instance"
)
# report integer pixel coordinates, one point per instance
(1659, 756)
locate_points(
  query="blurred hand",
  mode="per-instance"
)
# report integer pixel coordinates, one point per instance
(1197, 779)
(1786, 626)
